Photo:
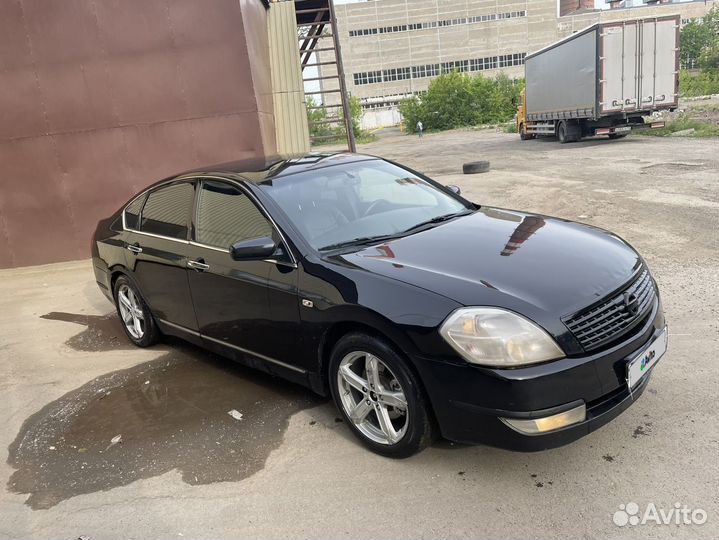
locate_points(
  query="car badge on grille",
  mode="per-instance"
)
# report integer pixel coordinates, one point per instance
(631, 303)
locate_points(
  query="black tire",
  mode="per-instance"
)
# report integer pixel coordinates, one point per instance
(574, 132)
(562, 133)
(522, 133)
(151, 333)
(420, 427)
(615, 136)
(475, 167)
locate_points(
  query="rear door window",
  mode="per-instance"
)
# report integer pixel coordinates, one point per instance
(167, 210)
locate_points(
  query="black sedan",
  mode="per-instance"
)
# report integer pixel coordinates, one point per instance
(421, 313)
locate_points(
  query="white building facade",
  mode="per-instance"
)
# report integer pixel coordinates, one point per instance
(392, 49)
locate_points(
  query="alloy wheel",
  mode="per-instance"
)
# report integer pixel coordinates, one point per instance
(131, 311)
(372, 397)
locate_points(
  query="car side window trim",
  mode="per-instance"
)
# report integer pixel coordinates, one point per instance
(146, 194)
(258, 205)
(124, 210)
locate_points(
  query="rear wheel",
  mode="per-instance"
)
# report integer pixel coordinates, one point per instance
(134, 314)
(379, 397)
(569, 132)
(523, 133)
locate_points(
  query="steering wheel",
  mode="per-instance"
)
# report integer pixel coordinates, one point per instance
(372, 208)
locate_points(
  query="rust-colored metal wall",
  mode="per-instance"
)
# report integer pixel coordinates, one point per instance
(99, 98)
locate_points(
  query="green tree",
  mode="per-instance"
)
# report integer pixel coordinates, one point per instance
(700, 48)
(455, 100)
(334, 132)
(449, 102)
(316, 115)
(700, 41)
(355, 107)
(412, 112)
(709, 59)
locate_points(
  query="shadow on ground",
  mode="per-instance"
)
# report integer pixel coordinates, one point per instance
(169, 413)
(101, 333)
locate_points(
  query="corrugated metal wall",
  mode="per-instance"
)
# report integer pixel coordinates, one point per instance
(99, 98)
(289, 98)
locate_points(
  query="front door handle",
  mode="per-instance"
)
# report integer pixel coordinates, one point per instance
(198, 265)
(135, 248)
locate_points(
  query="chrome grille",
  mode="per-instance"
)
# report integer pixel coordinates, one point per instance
(614, 316)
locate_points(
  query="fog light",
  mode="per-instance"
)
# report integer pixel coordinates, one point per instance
(536, 426)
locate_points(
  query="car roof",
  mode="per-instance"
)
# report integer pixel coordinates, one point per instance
(260, 169)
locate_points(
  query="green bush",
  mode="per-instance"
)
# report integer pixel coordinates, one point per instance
(335, 133)
(704, 83)
(456, 100)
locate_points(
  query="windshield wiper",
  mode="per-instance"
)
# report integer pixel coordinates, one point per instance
(358, 242)
(438, 219)
(364, 240)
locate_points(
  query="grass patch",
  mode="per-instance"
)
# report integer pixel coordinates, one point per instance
(701, 129)
(362, 138)
(365, 137)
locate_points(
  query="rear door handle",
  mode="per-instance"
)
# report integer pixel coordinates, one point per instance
(198, 265)
(135, 248)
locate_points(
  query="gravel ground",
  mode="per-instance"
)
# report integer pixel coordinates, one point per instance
(287, 468)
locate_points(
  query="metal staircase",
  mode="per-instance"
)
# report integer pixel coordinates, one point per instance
(321, 63)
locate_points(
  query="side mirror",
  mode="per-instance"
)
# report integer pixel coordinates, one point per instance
(455, 190)
(253, 249)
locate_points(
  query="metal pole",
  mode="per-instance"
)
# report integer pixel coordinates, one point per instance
(343, 88)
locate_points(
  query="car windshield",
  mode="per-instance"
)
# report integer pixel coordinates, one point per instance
(361, 202)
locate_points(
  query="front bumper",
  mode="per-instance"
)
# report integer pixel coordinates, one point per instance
(469, 401)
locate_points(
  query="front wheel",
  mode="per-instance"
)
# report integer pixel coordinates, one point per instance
(380, 397)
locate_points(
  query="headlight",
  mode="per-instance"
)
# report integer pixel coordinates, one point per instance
(498, 338)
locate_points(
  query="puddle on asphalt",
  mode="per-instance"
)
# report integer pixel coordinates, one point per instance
(102, 332)
(171, 413)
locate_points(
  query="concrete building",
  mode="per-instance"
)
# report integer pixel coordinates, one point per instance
(393, 48)
(100, 98)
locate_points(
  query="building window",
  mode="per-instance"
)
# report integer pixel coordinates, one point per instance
(439, 23)
(433, 70)
(367, 77)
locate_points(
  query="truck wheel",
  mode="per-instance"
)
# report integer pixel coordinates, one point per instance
(523, 133)
(574, 132)
(562, 133)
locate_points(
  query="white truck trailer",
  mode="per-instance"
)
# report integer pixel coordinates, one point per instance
(602, 80)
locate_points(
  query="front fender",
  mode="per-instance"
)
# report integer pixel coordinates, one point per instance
(346, 298)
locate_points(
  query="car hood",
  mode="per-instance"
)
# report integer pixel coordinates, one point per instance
(536, 265)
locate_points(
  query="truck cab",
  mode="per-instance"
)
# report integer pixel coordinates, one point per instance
(522, 117)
